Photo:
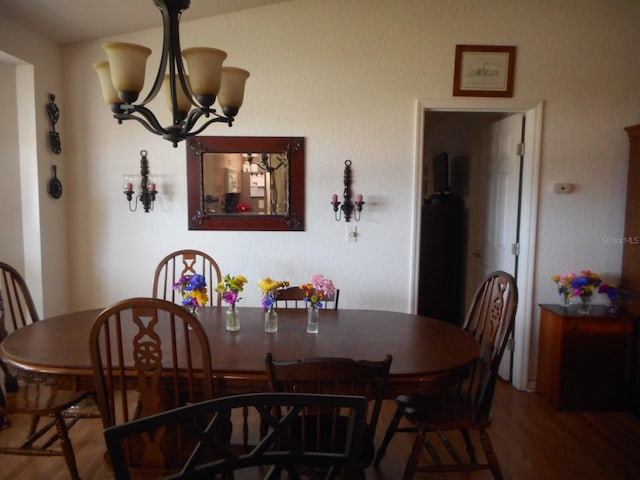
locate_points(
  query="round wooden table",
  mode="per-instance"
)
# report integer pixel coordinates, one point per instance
(423, 349)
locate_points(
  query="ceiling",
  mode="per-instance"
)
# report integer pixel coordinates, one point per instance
(73, 21)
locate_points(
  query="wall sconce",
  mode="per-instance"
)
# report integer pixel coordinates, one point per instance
(147, 193)
(348, 208)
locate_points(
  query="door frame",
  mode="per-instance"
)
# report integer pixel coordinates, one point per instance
(532, 109)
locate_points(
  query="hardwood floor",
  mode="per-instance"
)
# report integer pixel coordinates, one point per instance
(532, 441)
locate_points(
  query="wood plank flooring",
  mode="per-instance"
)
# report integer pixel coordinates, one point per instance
(532, 441)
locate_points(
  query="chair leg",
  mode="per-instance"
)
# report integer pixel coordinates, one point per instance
(67, 448)
(492, 459)
(412, 462)
(33, 424)
(393, 426)
(467, 441)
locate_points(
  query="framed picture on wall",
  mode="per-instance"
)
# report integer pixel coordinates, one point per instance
(484, 71)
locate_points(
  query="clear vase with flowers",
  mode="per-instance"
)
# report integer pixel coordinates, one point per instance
(314, 292)
(583, 286)
(193, 289)
(270, 290)
(230, 287)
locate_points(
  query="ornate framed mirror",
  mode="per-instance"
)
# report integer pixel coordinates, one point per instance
(245, 183)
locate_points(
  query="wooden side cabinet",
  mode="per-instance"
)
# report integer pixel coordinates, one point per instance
(585, 360)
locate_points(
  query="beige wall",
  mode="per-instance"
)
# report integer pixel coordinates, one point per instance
(33, 71)
(346, 74)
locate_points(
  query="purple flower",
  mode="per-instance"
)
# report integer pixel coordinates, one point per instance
(230, 297)
(268, 302)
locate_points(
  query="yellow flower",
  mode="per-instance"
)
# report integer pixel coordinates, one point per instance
(268, 284)
(201, 296)
(233, 284)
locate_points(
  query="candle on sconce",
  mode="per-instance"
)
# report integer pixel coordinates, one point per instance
(129, 187)
(334, 198)
(153, 187)
(359, 198)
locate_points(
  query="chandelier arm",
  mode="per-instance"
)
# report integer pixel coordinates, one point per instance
(217, 119)
(148, 120)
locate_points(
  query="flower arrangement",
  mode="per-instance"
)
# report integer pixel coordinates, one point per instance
(586, 284)
(270, 289)
(230, 287)
(193, 289)
(609, 290)
(571, 285)
(319, 288)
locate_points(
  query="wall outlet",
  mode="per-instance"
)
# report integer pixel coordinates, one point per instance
(352, 233)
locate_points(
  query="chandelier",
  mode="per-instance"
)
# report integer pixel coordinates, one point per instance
(189, 96)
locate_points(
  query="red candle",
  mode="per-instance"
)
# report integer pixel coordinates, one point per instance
(153, 187)
(334, 198)
(130, 187)
(359, 197)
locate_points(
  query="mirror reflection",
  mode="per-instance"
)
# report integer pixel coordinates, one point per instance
(241, 183)
(245, 183)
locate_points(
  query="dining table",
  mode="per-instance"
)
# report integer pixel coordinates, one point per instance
(423, 349)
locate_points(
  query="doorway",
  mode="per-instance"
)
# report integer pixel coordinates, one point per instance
(457, 116)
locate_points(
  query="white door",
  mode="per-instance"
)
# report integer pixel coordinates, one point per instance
(495, 207)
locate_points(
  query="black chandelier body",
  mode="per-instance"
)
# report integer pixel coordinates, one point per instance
(147, 193)
(180, 93)
(349, 209)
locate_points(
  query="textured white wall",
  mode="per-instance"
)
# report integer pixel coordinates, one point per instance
(346, 74)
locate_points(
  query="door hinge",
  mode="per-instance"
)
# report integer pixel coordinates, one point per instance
(520, 149)
(515, 249)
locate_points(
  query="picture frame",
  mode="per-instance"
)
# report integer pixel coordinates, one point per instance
(484, 71)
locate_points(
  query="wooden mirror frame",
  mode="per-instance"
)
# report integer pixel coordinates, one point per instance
(198, 146)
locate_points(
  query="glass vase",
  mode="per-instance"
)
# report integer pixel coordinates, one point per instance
(233, 319)
(313, 315)
(193, 310)
(271, 321)
(585, 304)
(565, 301)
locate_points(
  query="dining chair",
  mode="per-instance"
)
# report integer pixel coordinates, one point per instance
(293, 297)
(280, 449)
(334, 376)
(149, 355)
(461, 404)
(186, 262)
(27, 395)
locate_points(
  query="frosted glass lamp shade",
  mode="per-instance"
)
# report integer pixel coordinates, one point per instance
(205, 70)
(104, 75)
(232, 90)
(184, 104)
(127, 62)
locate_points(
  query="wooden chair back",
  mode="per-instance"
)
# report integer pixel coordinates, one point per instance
(490, 320)
(186, 262)
(293, 297)
(30, 397)
(17, 309)
(335, 376)
(148, 356)
(279, 449)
